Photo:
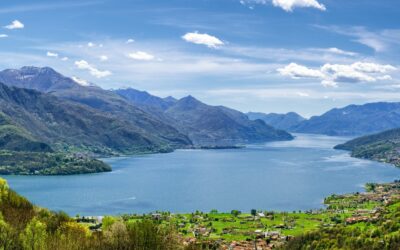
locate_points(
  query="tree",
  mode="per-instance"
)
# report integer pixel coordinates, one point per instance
(8, 236)
(235, 213)
(117, 236)
(254, 212)
(107, 222)
(34, 236)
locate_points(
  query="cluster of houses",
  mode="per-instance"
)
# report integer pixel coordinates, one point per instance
(381, 193)
(364, 215)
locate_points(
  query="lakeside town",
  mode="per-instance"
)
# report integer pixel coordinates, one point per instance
(239, 230)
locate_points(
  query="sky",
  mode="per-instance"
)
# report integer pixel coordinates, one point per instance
(306, 56)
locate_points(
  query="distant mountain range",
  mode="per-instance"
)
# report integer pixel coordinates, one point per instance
(145, 100)
(382, 146)
(353, 120)
(68, 113)
(205, 124)
(280, 121)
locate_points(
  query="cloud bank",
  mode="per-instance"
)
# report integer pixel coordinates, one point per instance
(288, 5)
(332, 74)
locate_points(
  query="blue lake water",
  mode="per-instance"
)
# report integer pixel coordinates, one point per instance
(274, 176)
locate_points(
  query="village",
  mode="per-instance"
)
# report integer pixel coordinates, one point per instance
(269, 229)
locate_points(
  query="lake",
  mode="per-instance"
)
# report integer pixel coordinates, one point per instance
(293, 175)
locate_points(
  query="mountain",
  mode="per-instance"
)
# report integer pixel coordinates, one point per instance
(145, 100)
(61, 123)
(156, 122)
(382, 146)
(279, 121)
(42, 79)
(354, 120)
(106, 103)
(217, 125)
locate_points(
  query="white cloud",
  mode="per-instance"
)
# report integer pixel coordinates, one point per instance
(90, 44)
(64, 58)
(288, 5)
(345, 73)
(3, 35)
(203, 39)
(80, 81)
(15, 25)
(103, 58)
(130, 41)
(372, 67)
(51, 54)
(82, 64)
(341, 52)
(141, 55)
(332, 74)
(295, 70)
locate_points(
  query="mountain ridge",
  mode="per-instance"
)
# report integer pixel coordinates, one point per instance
(106, 102)
(353, 120)
(280, 121)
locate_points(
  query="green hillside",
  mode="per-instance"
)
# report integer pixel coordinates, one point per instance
(17, 139)
(384, 147)
(24, 226)
(21, 154)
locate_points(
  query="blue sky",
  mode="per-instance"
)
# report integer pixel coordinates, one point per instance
(261, 55)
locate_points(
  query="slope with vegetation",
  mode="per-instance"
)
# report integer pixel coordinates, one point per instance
(22, 154)
(40, 163)
(384, 147)
(24, 226)
(64, 124)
